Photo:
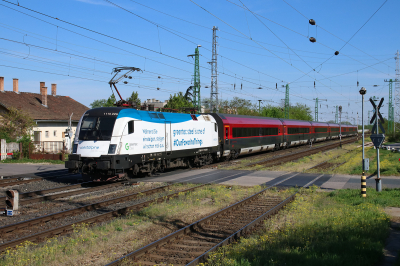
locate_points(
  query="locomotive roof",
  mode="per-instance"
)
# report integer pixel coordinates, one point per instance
(150, 116)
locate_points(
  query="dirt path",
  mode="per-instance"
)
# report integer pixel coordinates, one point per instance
(392, 248)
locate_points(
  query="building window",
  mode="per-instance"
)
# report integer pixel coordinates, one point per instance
(46, 134)
(55, 133)
(36, 136)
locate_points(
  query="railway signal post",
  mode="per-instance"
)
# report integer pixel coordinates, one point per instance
(12, 202)
(363, 91)
(377, 138)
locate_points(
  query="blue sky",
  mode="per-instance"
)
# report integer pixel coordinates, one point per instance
(76, 44)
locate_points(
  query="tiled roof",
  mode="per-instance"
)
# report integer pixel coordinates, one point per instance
(58, 107)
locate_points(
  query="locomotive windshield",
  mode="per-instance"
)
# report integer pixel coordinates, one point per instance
(96, 128)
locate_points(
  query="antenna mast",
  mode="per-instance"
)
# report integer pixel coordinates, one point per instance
(214, 74)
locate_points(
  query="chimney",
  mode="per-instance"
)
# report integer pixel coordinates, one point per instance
(1, 84)
(15, 85)
(41, 86)
(53, 89)
(153, 100)
(43, 91)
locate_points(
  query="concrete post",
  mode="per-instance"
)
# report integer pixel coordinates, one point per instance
(3, 149)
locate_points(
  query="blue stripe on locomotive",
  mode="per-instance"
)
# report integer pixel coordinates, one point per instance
(145, 116)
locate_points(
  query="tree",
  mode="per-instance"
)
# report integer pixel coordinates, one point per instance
(103, 102)
(300, 112)
(15, 125)
(238, 106)
(134, 99)
(273, 111)
(178, 101)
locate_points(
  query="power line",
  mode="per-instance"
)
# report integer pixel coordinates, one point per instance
(105, 35)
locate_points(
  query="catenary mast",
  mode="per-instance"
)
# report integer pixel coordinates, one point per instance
(214, 74)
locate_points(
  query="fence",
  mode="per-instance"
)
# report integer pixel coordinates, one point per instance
(11, 147)
(49, 150)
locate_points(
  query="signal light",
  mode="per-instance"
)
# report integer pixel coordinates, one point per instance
(12, 200)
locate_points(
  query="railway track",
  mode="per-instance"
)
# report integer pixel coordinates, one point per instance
(295, 156)
(32, 197)
(35, 224)
(13, 181)
(268, 155)
(192, 244)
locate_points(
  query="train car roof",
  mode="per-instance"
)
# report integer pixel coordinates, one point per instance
(333, 125)
(290, 122)
(244, 119)
(320, 124)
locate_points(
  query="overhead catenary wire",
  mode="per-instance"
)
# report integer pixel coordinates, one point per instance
(145, 59)
(102, 34)
(256, 42)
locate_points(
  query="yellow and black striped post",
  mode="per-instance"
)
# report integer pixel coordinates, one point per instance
(363, 185)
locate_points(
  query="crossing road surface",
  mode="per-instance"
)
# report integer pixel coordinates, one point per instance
(227, 177)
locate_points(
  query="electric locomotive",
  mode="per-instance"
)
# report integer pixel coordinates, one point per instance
(113, 143)
(117, 143)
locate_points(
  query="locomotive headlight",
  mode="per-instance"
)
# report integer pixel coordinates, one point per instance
(74, 148)
(112, 148)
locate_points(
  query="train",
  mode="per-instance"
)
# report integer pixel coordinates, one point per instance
(113, 143)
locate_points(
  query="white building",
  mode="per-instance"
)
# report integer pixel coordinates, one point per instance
(50, 112)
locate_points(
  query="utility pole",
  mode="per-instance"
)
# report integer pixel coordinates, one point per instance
(363, 91)
(214, 74)
(259, 106)
(397, 99)
(287, 106)
(316, 107)
(340, 125)
(196, 80)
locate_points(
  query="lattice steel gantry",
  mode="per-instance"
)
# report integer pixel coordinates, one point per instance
(316, 107)
(397, 95)
(214, 74)
(196, 80)
(287, 105)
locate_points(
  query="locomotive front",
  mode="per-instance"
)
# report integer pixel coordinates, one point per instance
(94, 147)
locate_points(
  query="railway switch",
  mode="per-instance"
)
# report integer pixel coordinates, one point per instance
(12, 202)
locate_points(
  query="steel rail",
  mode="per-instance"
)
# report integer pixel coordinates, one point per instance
(286, 158)
(39, 237)
(270, 153)
(51, 190)
(75, 211)
(19, 182)
(67, 194)
(187, 229)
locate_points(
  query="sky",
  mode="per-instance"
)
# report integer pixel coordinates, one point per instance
(262, 46)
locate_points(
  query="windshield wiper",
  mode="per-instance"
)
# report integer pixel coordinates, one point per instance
(101, 135)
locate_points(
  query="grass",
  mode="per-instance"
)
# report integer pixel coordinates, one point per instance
(350, 155)
(389, 162)
(318, 229)
(99, 245)
(32, 161)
